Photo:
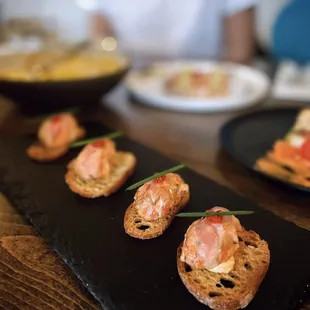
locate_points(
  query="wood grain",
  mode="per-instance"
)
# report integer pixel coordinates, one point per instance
(31, 275)
(188, 138)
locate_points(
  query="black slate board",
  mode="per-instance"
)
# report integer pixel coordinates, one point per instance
(250, 136)
(125, 273)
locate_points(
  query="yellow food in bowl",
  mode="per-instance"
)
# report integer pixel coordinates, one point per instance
(28, 68)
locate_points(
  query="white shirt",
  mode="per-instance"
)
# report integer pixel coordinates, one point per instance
(182, 28)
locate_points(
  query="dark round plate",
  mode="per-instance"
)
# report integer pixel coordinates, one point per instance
(248, 137)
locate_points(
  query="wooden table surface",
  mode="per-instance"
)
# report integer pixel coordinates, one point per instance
(189, 138)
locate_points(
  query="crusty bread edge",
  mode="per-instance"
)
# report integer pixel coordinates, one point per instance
(38, 153)
(131, 228)
(232, 304)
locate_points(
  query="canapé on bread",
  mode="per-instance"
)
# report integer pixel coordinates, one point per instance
(55, 135)
(236, 289)
(122, 166)
(235, 284)
(137, 227)
(143, 227)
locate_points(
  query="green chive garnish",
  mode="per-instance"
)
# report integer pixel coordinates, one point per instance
(155, 176)
(206, 214)
(112, 135)
(41, 118)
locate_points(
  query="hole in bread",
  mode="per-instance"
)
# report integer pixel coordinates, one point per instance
(248, 266)
(227, 283)
(287, 168)
(234, 276)
(264, 262)
(214, 294)
(143, 227)
(137, 221)
(249, 243)
(188, 268)
(240, 239)
(197, 281)
(218, 285)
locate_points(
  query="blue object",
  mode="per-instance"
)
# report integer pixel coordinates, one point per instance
(291, 32)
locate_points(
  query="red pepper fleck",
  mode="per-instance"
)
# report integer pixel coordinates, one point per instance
(56, 118)
(160, 179)
(98, 143)
(147, 186)
(216, 219)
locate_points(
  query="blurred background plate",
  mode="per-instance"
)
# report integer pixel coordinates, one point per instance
(248, 86)
(248, 137)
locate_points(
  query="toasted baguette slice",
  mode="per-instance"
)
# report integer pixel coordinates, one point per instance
(137, 227)
(236, 289)
(122, 166)
(41, 153)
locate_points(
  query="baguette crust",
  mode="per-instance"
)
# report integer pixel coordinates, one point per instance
(123, 165)
(137, 227)
(39, 152)
(234, 290)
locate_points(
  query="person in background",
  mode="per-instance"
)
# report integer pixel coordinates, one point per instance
(209, 29)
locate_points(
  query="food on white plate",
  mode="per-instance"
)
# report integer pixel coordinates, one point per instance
(99, 169)
(155, 205)
(221, 264)
(55, 135)
(195, 84)
(289, 158)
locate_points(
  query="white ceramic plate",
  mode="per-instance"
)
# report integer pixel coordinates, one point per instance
(248, 86)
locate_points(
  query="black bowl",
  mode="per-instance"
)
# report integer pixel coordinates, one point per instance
(45, 97)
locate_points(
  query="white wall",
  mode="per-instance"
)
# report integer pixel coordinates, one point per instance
(71, 20)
